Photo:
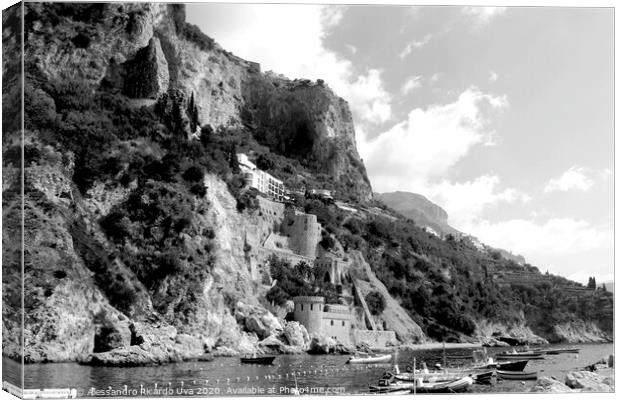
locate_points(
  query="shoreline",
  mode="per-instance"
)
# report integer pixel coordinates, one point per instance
(438, 346)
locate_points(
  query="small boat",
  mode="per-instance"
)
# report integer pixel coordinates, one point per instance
(567, 351)
(265, 360)
(383, 358)
(524, 355)
(517, 375)
(505, 366)
(440, 376)
(453, 386)
(389, 387)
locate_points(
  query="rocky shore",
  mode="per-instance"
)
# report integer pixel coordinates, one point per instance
(585, 380)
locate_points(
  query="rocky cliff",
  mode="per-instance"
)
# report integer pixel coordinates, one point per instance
(98, 290)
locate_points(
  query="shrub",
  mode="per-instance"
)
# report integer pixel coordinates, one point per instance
(60, 274)
(327, 242)
(375, 302)
(194, 174)
(81, 41)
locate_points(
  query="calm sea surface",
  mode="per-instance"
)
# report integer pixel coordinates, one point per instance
(226, 376)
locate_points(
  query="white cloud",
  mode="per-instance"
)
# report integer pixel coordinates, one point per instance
(483, 15)
(466, 201)
(287, 38)
(493, 77)
(414, 44)
(575, 178)
(413, 82)
(554, 237)
(429, 141)
(332, 15)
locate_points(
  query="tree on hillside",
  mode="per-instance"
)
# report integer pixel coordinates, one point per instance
(233, 162)
(192, 113)
(375, 302)
(591, 283)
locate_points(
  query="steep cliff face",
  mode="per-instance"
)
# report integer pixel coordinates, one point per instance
(307, 121)
(145, 49)
(172, 289)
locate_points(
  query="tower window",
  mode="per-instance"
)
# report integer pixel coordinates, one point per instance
(332, 322)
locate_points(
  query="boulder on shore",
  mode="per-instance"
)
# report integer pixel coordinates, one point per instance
(588, 381)
(296, 334)
(321, 345)
(326, 345)
(257, 320)
(550, 385)
(274, 345)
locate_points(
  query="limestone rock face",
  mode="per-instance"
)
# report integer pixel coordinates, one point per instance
(578, 332)
(393, 317)
(307, 121)
(487, 332)
(141, 49)
(147, 74)
(296, 334)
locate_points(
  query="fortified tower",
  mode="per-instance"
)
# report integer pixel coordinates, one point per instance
(304, 232)
(309, 312)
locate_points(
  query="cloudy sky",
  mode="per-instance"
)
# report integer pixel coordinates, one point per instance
(503, 116)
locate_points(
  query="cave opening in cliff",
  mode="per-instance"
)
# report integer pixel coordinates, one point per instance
(302, 140)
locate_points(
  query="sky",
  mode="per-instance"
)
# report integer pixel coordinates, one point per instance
(503, 116)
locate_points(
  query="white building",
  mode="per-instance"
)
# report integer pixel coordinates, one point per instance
(261, 180)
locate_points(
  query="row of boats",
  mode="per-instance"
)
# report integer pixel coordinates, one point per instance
(507, 365)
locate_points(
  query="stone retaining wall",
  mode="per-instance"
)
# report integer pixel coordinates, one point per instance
(374, 338)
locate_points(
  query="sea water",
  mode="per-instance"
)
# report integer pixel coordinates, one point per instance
(318, 374)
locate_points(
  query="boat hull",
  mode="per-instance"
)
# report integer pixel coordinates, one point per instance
(455, 386)
(517, 376)
(518, 365)
(531, 356)
(258, 360)
(370, 360)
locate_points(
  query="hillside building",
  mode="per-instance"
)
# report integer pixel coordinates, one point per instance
(332, 320)
(260, 180)
(304, 233)
(331, 268)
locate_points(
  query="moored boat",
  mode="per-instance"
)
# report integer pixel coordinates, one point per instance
(517, 375)
(265, 360)
(453, 386)
(524, 355)
(387, 387)
(383, 358)
(428, 376)
(567, 350)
